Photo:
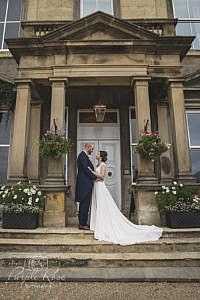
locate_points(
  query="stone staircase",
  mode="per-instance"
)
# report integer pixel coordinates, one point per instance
(69, 254)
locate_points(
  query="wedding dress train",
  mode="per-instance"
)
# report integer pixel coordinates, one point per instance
(109, 224)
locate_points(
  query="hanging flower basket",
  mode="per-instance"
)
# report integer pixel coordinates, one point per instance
(54, 144)
(150, 146)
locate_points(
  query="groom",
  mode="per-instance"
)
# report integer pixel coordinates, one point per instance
(84, 185)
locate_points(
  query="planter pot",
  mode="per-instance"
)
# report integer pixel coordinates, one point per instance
(183, 219)
(23, 220)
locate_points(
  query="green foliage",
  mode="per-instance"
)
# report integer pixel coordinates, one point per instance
(177, 197)
(54, 145)
(150, 146)
(22, 197)
(7, 95)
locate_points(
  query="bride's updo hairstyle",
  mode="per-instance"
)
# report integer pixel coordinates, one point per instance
(103, 155)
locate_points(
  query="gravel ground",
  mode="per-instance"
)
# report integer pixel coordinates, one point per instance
(100, 291)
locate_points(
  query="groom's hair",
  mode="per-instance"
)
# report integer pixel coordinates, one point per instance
(87, 145)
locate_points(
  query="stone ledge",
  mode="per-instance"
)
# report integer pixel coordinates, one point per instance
(168, 274)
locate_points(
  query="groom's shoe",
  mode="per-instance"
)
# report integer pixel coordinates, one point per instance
(84, 227)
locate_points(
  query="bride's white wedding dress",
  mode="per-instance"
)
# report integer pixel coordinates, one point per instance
(109, 224)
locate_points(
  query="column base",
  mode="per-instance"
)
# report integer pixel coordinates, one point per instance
(147, 212)
(15, 179)
(54, 181)
(55, 210)
(149, 180)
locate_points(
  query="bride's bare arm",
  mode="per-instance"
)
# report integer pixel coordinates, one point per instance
(99, 176)
(102, 172)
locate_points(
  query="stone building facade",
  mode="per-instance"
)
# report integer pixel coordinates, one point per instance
(71, 55)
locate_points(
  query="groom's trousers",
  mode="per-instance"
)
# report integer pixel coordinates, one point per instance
(84, 206)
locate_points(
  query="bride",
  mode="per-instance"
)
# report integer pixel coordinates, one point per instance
(107, 221)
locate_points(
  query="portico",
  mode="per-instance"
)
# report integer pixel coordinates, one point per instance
(99, 58)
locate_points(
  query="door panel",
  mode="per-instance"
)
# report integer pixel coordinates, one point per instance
(113, 178)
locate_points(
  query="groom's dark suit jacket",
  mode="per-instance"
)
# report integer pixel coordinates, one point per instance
(85, 177)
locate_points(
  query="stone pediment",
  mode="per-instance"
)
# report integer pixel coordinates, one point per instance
(99, 26)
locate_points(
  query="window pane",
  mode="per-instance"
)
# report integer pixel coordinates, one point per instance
(180, 7)
(4, 129)
(196, 32)
(105, 5)
(134, 164)
(133, 127)
(3, 164)
(89, 6)
(14, 10)
(3, 4)
(194, 8)
(12, 31)
(1, 33)
(194, 125)
(183, 29)
(195, 157)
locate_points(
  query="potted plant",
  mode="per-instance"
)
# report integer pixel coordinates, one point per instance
(180, 204)
(21, 204)
(54, 144)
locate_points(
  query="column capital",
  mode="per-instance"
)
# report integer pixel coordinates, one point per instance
(176, 82)
(19, 81)
(59, 81)
(140, 80)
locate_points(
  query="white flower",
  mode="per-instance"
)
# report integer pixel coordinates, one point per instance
(174, 182)
(3, 187)
(167, 190)
(173, 188)
(15, 197)
(174, 192)
(25, 190)
(35, 187)
(181, 185)
(156, 193)
(163, 187)
(37, 200)
(39, 193)
(19, 182)
(30, 201)
(4, 196)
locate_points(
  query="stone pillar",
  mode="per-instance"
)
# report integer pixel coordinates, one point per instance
(142, 106)
(164, 131)
(146, 208)
(33, 143)
(18, 152)
(55, 174)
(179, 130)
(55, 202)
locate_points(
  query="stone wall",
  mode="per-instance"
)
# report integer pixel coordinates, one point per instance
(38, 10)
(191, 63)
(8, 68)
(144, 9)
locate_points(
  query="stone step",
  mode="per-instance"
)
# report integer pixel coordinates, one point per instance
(33, 260)
(94, 246)
(137, 274)
(73, 232)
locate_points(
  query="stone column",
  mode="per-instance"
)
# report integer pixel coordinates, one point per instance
(56, 167)
(146, 208)
(142, 106)
(33, 143)
(179, 130)
(164, 130)
(18, 152)
(55, 202)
